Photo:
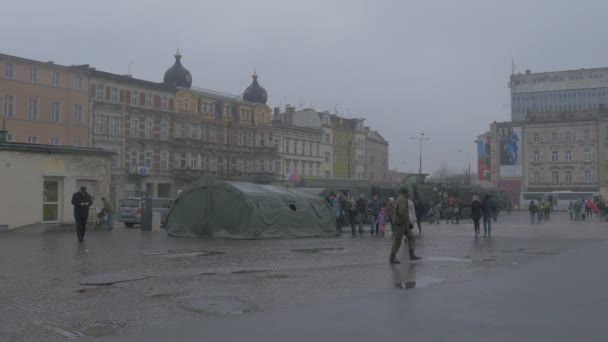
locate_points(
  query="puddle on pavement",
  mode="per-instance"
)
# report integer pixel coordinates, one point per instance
(220, 306)
(420, 282)
(208, 273)
(110, 279)
(277, 276)
(248, 271)
(324, 250)
(182, 253)
(99, 330)
(447, 259)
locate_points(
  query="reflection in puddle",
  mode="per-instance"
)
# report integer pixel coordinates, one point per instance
(447, 259)
(404, 277)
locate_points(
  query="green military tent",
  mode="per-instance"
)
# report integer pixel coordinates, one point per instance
(248, 211)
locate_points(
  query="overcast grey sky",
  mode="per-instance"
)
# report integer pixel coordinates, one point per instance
(438, 67)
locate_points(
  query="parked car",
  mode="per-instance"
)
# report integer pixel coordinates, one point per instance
(130, 210)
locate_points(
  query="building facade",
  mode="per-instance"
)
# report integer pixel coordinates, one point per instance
(43, 102)
(558, 91)
(561, 152)
(134, 119)
(298, 136)
(38, 182)
(218, 135)
(376, 156)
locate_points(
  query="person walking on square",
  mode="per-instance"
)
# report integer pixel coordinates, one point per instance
(381, 221)
(403, 226)
(589, 208)
(390, 209)
(533, 209)
(476, 213)
(81, 201)
(362, 211)
(374, 208)
(352, 216)
(419, 208)
(335, 206)
(107, 210)
(488, 207)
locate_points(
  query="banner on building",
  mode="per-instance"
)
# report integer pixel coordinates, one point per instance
(483, 160)
(509, 152)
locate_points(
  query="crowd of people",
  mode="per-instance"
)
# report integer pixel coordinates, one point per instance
(404, 215)
(578, 210)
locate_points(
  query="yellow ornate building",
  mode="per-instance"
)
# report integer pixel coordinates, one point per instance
(218, 135)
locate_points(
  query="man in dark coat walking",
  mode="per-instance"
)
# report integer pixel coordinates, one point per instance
(81, 201)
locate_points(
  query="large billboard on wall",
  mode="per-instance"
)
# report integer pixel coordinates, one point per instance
(483, 159)
(508, 148)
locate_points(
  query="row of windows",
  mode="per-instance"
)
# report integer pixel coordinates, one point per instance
(132, 97)
(197, 161)
(9, 107)
(556, 78)
(210, 134)
(568, 137)
(302, 168)
(10, 73)
(245, 114)
(301, 148)
(566, 178)
(135, 129)
(33, 139)
(560, 101)
(567, 156)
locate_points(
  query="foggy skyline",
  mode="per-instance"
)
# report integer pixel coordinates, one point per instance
(441, 68)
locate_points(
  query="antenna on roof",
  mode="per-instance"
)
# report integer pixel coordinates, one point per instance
(130, 68)
(513, 67)
(301, 104)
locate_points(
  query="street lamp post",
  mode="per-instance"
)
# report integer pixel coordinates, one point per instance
(421, 138)
(469, 161)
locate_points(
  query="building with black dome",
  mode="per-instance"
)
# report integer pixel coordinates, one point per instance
(177, 75)
(255, 92)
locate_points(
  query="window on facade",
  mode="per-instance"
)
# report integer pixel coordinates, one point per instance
(212, 135)
(536, 138)
(245, 114)
(554, 177)
(164, 103)
(56, 78)
(239, 137)
(54, 140)
(134, 98)
(327, 157)
(554, 156)
(100, 121)
(32, 139)
(193, 161)
(568, 156)
(114, 95)
(77, 82)
(148, 159)
(262, 139)
(77, 114)
(164, 160)
(148, 128)
(149, 100)
(587, 154)
(225, 135)
(55, 111)
(9, 70)
(327, 139)
(568, 177)
(135, 127)
(249, 138)
(186, 103)
(295, 147)
(114, 126)
(554, 137)
(537, 178)
(588, 176)
(327, 174)
(33, 74)
(9, 105)
(568, 136)
(194, 128)
(587, 135)
(227, 111)
(210, 108)
(164, 129)
(32, 108)
(183, 160)
(536, 156)
(99, 92)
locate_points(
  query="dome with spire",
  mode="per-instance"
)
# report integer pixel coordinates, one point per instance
(255, 92)
(177, 75)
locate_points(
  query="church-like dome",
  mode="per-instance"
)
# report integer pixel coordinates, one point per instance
(177, 75)
(255, 92)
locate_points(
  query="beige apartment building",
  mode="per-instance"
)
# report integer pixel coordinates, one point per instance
(562, 151)
(43, 102)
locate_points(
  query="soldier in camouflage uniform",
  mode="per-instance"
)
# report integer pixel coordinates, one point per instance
(402, 226)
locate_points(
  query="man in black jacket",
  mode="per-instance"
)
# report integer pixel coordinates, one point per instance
(81, 201)
(361, 212)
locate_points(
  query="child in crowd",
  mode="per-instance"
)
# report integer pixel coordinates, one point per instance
(382, 220)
